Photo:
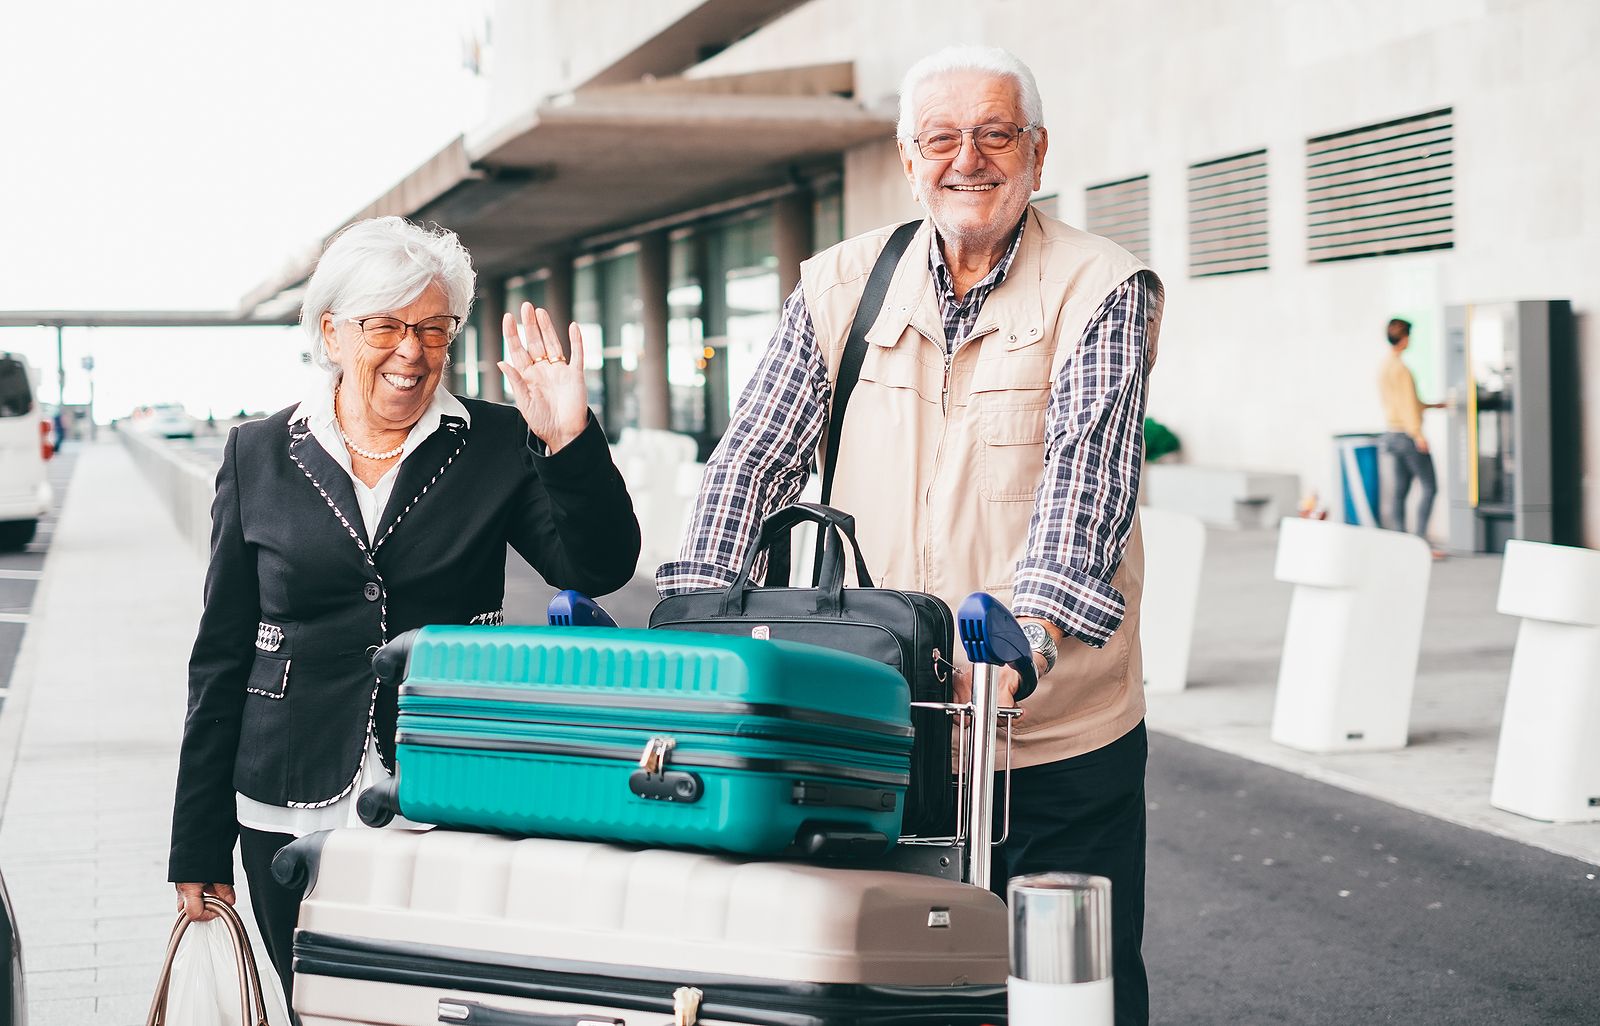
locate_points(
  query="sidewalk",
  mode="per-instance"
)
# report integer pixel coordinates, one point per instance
(88, 749)
(1462, 673)
(89, 734)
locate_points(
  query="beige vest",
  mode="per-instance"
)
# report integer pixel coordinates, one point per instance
(941, 459)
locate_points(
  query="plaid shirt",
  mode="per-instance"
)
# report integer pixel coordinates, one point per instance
(1094, 432)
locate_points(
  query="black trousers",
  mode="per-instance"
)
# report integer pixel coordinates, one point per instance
(1087, 815)
(276, 907)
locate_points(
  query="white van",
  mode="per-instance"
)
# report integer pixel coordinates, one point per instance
(24, 446)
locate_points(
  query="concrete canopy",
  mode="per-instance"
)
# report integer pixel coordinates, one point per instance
(605, 158)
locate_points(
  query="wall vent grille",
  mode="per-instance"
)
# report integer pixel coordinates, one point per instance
(1381, 189)
(1228, 215)
(1121, 212)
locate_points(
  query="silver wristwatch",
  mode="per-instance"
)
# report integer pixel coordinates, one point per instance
(1041, 642)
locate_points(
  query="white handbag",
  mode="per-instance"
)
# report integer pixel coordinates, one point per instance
(193, 990)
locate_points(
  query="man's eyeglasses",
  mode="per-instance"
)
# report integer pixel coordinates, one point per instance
(991, 140)
(389, 332)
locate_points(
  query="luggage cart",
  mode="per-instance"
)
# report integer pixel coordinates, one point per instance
(407, 928)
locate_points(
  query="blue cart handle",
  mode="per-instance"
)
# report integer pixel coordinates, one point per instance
(990, 634)
(574, 609)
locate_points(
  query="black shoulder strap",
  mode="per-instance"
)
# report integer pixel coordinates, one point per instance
(855, 348)
(855, 351)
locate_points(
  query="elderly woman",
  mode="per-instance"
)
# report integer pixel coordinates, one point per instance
(378, 504)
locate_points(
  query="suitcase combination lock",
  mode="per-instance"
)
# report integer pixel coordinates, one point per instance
(654, 781)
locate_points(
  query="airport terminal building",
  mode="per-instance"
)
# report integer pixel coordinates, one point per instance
(1298, 173)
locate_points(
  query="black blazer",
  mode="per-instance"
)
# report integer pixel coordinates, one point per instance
(281, 689)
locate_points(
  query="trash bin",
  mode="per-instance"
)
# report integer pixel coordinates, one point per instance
(1060, 950)
(1356, 472)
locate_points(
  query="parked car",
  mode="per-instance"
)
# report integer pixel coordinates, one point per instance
(165, 420)
(25, 444)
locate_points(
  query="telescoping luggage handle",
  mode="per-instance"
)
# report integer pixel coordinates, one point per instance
(992, 638)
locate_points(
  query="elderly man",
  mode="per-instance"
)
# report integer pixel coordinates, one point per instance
(993, 442)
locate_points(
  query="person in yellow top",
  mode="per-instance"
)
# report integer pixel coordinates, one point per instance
(1403, 440)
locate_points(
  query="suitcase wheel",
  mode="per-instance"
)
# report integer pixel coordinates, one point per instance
(380, 803)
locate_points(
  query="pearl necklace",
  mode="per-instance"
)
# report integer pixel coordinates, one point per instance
(379, 457)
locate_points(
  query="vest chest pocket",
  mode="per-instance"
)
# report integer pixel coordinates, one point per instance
(1012, 452)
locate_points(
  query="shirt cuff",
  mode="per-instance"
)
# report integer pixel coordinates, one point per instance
(1084, 607)
(683, 575)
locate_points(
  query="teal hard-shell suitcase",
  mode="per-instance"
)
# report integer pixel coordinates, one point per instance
(655, 738)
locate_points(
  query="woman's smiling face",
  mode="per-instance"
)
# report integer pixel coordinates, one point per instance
(387, 389)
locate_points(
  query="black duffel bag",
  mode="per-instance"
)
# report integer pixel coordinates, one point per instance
(908, 630)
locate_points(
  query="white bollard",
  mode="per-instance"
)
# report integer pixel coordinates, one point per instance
(1174, 551)
(1548, 764)
(1355, 626)
(1060, 950)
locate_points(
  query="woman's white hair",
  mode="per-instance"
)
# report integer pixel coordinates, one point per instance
(992, 60)
(383, 264)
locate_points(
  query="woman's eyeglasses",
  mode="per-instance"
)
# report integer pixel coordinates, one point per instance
(389, 332)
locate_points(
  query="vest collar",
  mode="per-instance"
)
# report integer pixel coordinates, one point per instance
(913, 298)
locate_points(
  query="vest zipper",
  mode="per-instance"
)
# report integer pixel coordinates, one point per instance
(938, 455)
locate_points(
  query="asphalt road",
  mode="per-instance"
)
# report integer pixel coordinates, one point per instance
(1276, 899)
(1273, 899)
(20, 571)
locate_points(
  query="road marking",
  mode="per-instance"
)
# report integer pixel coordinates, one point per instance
(15, 618)
(20, 575)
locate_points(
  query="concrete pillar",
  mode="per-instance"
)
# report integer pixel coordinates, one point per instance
(558, 297)
(655, 394)
(491, 343)
(791, 238)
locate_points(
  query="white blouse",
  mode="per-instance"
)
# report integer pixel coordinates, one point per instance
(317, 408)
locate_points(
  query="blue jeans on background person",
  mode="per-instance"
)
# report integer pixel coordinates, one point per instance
(1410, 464)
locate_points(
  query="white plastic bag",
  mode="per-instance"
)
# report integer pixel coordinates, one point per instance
(204, 988)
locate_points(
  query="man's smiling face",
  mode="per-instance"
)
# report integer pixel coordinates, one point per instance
(974, 199)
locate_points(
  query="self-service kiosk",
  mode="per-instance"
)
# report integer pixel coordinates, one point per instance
(1512, 468)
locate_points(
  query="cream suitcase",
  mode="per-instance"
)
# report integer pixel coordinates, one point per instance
(404, 928)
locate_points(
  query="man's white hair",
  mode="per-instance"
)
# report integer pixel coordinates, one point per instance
(381, 264)
(990, 59)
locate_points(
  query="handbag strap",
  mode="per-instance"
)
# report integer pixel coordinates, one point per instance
(777, 528)
(252, 1002)
(855, 347)
(844, 383)
(834, 529)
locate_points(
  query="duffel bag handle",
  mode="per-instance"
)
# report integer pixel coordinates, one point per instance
(831, 524)
(782, 522)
